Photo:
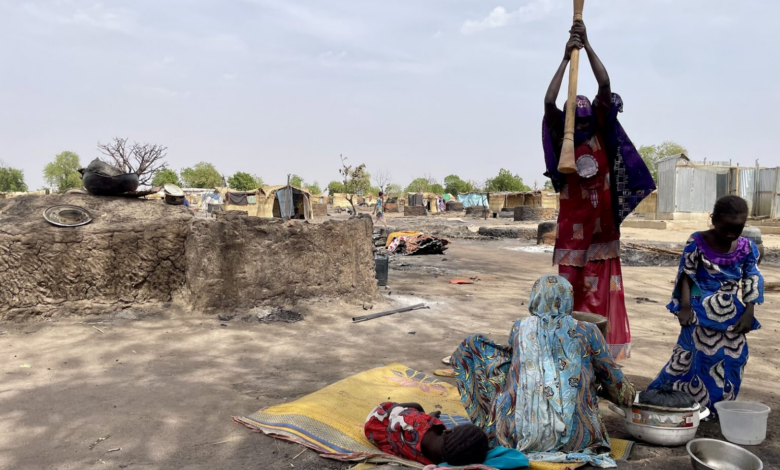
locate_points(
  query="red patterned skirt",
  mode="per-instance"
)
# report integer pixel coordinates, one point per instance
(598, 288)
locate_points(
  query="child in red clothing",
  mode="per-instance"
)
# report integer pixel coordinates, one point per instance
(406, 431)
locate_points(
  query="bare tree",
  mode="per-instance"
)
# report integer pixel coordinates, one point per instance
(142, 159)
(383, 179)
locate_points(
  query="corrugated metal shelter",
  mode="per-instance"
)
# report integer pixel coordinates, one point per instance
(768, 193)
(687, 187)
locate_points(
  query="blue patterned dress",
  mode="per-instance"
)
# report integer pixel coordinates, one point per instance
(538, 394)
(708, 361)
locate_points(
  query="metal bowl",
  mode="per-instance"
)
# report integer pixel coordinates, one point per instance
(67, 216)
(711, 454)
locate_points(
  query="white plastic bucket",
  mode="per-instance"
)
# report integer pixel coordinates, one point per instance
(743, 422)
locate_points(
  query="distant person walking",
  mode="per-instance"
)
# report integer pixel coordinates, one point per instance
(379, 209)
(610, 181)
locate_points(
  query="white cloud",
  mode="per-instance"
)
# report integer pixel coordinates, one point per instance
(438, 35)
(500, 17)
(230, 76)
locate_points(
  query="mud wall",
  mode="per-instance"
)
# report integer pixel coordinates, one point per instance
(533, 213)
(136, 252)
(320, 210)
(132, 252)
(242, 262)
(415, 211)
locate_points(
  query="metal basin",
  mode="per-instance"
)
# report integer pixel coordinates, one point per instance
(711, 454)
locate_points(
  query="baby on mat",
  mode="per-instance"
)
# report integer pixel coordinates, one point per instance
(406, 431)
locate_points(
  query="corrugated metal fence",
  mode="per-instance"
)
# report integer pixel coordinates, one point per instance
(667, 189)
(697, 189)
(766, 196)
(747, 186)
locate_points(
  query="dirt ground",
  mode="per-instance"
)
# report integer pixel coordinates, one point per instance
(163, 387)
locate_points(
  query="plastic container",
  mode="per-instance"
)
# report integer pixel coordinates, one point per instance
(743, 422)
(382, 263)
(754, 233)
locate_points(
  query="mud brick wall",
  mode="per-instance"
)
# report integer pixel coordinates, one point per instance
(243, 262)
(320, 210)
(414, 211)
(478, 211)
(534, 213)
(132, 252)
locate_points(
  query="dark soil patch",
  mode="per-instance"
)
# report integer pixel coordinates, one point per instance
(280, 315)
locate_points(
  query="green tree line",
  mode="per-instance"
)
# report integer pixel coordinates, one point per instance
(62, 173)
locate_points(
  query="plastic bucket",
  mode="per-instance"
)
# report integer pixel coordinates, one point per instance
(382, 265)
(743, 422)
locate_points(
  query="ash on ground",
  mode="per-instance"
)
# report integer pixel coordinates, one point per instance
(279, 315)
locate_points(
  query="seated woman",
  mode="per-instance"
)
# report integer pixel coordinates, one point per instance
(538, 394)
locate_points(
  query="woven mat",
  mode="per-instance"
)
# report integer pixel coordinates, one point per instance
(322, 422)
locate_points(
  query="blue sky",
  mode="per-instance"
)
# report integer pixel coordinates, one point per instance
(415, 87)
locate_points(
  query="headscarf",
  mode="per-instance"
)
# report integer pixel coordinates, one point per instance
(550, 358)
(583, 113)
(630, 180)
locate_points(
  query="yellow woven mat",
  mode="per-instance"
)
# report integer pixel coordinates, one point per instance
(331, 420)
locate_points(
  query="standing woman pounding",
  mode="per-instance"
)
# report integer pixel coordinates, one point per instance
(611, 180)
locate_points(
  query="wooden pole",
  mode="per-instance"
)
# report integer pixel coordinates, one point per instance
(566, 164)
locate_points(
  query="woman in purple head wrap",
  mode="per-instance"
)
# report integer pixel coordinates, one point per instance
(611, 180)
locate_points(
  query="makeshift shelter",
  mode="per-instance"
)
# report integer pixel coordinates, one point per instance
(545, 199)
(511, 199)
(416, 199)
(433, 203)
(395, 204)
(245, 201)
(473, 199)
(288, 202)
(340, 200)
(200, 198)
(270, 201)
